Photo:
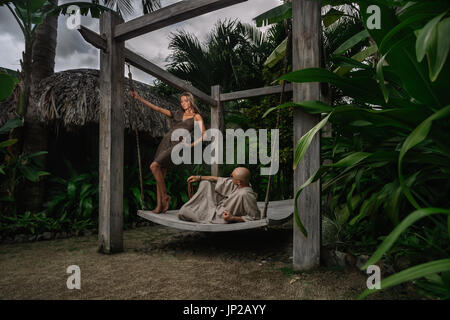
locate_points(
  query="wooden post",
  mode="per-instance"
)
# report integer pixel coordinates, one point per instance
(306, 27)
(111, 131)
(217, 121)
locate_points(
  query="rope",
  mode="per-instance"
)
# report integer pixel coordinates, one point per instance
(133, 123)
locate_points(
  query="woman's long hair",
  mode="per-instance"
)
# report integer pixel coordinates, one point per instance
(191, 99)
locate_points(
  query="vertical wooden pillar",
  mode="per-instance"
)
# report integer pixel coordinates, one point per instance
(217, 121)
(111, 135)
(306, 27)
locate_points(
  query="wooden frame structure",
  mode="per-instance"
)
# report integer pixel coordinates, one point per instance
(113, 54)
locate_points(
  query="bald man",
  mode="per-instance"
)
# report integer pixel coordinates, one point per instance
(222, 200)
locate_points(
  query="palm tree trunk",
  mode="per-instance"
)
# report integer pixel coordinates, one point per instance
(35, 133)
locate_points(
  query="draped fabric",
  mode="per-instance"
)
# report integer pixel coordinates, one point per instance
(211, 199)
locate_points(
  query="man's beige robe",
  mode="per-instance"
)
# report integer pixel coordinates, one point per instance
(211, 200)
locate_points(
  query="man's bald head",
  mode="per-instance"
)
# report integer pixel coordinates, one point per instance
(242, 174)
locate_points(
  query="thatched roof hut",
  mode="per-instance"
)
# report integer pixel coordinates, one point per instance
(71, 98)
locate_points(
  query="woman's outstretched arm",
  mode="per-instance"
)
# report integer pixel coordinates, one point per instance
(136, 96)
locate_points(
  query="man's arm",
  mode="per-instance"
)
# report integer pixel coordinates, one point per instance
(209, 178)
(199, 178)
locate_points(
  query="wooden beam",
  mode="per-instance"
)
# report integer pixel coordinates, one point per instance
(137, 61)
(169, 15)
(93, 38)
(306, 32)
(254, 92)
(217, 121)
(151, 68)
(111, 136)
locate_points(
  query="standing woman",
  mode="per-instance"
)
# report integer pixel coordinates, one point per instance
(185, 118)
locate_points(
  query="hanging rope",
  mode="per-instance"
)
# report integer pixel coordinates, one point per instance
(283, 83)
(133, 123)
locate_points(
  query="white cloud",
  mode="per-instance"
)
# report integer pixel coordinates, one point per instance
(11, 52)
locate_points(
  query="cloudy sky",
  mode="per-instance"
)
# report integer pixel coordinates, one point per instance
(73, 52)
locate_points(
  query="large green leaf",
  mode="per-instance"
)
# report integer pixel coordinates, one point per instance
(137, 196)
(305, 141)
(31, 5)
(7, 143)
(357, 59)
(36, 154)
(380, 77)
(87, 207)
(405, 224)
(314, 107)
(277, 54)
(401, 58)
(33, 15)
(399, 32)
(426, 36)
(274, 15)
(32, 174)
(331, 17)
(7, 84)
(437, 55)
(12, 73)
(416, 8)
(417, 136)
(359, 86)
(349, 161)
(350, 43)
(71, 190)
(405, 118)
(11, 124)
(367, 206)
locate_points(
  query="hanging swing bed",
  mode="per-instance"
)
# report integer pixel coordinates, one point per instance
(273, 212)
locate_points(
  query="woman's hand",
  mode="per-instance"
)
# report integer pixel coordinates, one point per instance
(193, 178)
(135, 95)
(186, 144)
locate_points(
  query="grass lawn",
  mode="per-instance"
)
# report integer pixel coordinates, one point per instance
(160, 263)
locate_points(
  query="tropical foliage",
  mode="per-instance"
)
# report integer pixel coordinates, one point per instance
(390, 149)
(232, 55)
(15, 170)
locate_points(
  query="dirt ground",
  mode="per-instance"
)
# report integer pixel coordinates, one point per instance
(162, 263)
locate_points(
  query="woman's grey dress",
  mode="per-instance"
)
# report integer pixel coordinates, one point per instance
(162, 155)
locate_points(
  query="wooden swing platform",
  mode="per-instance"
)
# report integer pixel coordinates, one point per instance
(277, 212)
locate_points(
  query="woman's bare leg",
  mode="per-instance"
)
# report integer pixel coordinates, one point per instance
(165, 197)
(156, 168)
(158, 200)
